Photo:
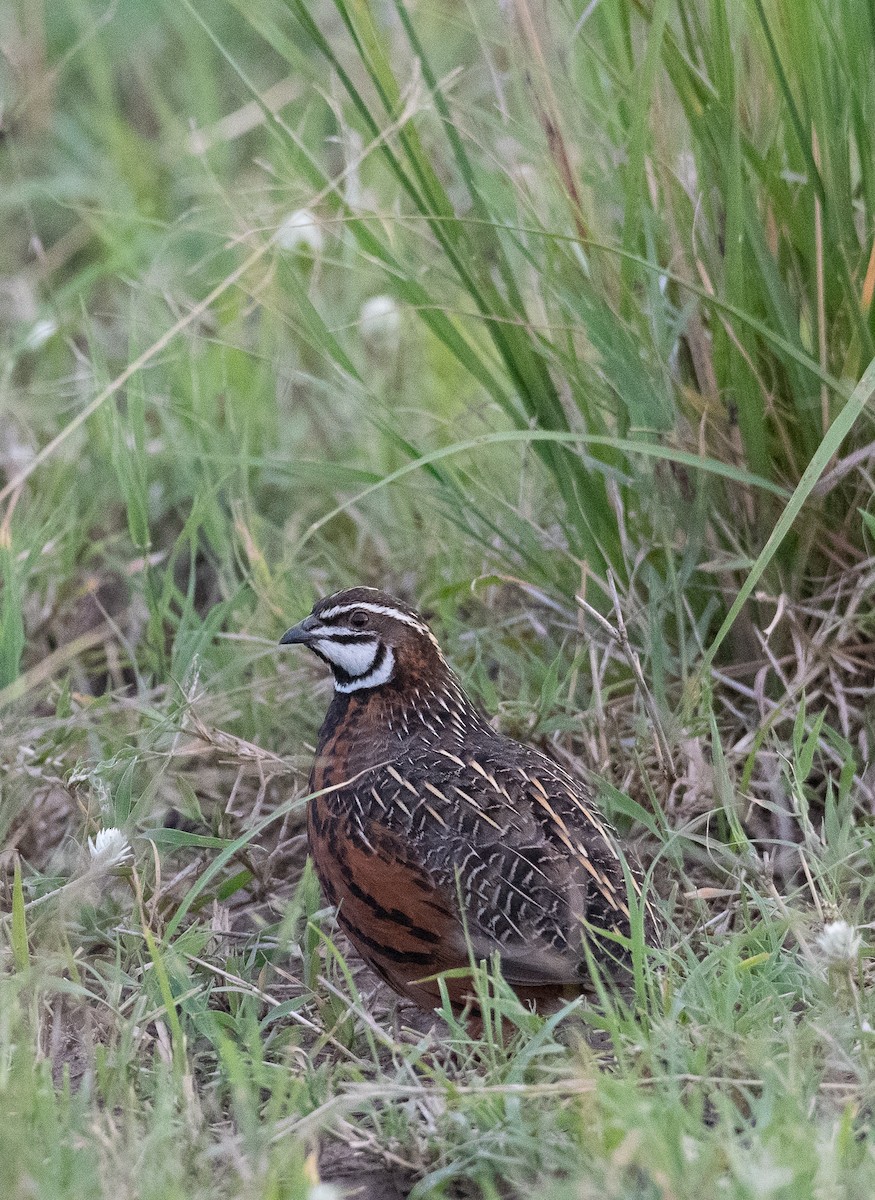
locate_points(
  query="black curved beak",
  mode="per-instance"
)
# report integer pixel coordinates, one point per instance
(300, 634)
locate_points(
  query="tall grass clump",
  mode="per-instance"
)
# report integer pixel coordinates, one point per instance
(663, 252)
(644, 237)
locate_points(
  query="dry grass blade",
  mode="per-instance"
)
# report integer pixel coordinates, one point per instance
(619, 634)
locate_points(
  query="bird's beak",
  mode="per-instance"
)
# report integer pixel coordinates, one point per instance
(300, 634)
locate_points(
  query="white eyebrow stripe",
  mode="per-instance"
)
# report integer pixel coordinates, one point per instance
(381, 609)
(384, 609)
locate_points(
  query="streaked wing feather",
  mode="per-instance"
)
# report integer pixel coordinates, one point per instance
(526, 856)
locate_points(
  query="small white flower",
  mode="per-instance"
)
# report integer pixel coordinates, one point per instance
(300, 233)
(763, 1175)
(839, 943)
(109, 848)
(40, 332)
(380, 325)
(691, 1149)
(18, 454)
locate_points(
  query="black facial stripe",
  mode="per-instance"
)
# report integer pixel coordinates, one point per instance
(345, 637)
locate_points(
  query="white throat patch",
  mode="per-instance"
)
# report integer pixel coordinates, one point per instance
(355, 658)
(376, 676)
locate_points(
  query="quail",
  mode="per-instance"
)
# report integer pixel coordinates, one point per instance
(439, 839)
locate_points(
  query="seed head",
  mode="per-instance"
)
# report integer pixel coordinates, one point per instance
(109, 848)
(839, 943)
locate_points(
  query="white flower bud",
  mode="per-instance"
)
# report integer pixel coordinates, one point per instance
(300, 233)
(380, 325)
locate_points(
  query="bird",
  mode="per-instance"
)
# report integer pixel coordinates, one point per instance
(441, 842)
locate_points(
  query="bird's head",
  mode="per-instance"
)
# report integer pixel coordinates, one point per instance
(369, 639)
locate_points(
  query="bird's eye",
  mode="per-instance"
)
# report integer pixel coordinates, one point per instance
(358, 619)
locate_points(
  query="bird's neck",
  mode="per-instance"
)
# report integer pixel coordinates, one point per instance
(376, 725)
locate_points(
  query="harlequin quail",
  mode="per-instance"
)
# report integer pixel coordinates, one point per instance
(437, 837)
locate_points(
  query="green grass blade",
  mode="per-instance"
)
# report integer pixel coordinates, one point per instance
(20, 950)
(838, 431)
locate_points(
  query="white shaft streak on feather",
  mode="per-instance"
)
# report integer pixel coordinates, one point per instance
(454, 758)
(477, 808)
(404, 782)
(429, 787)
(436, 815)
